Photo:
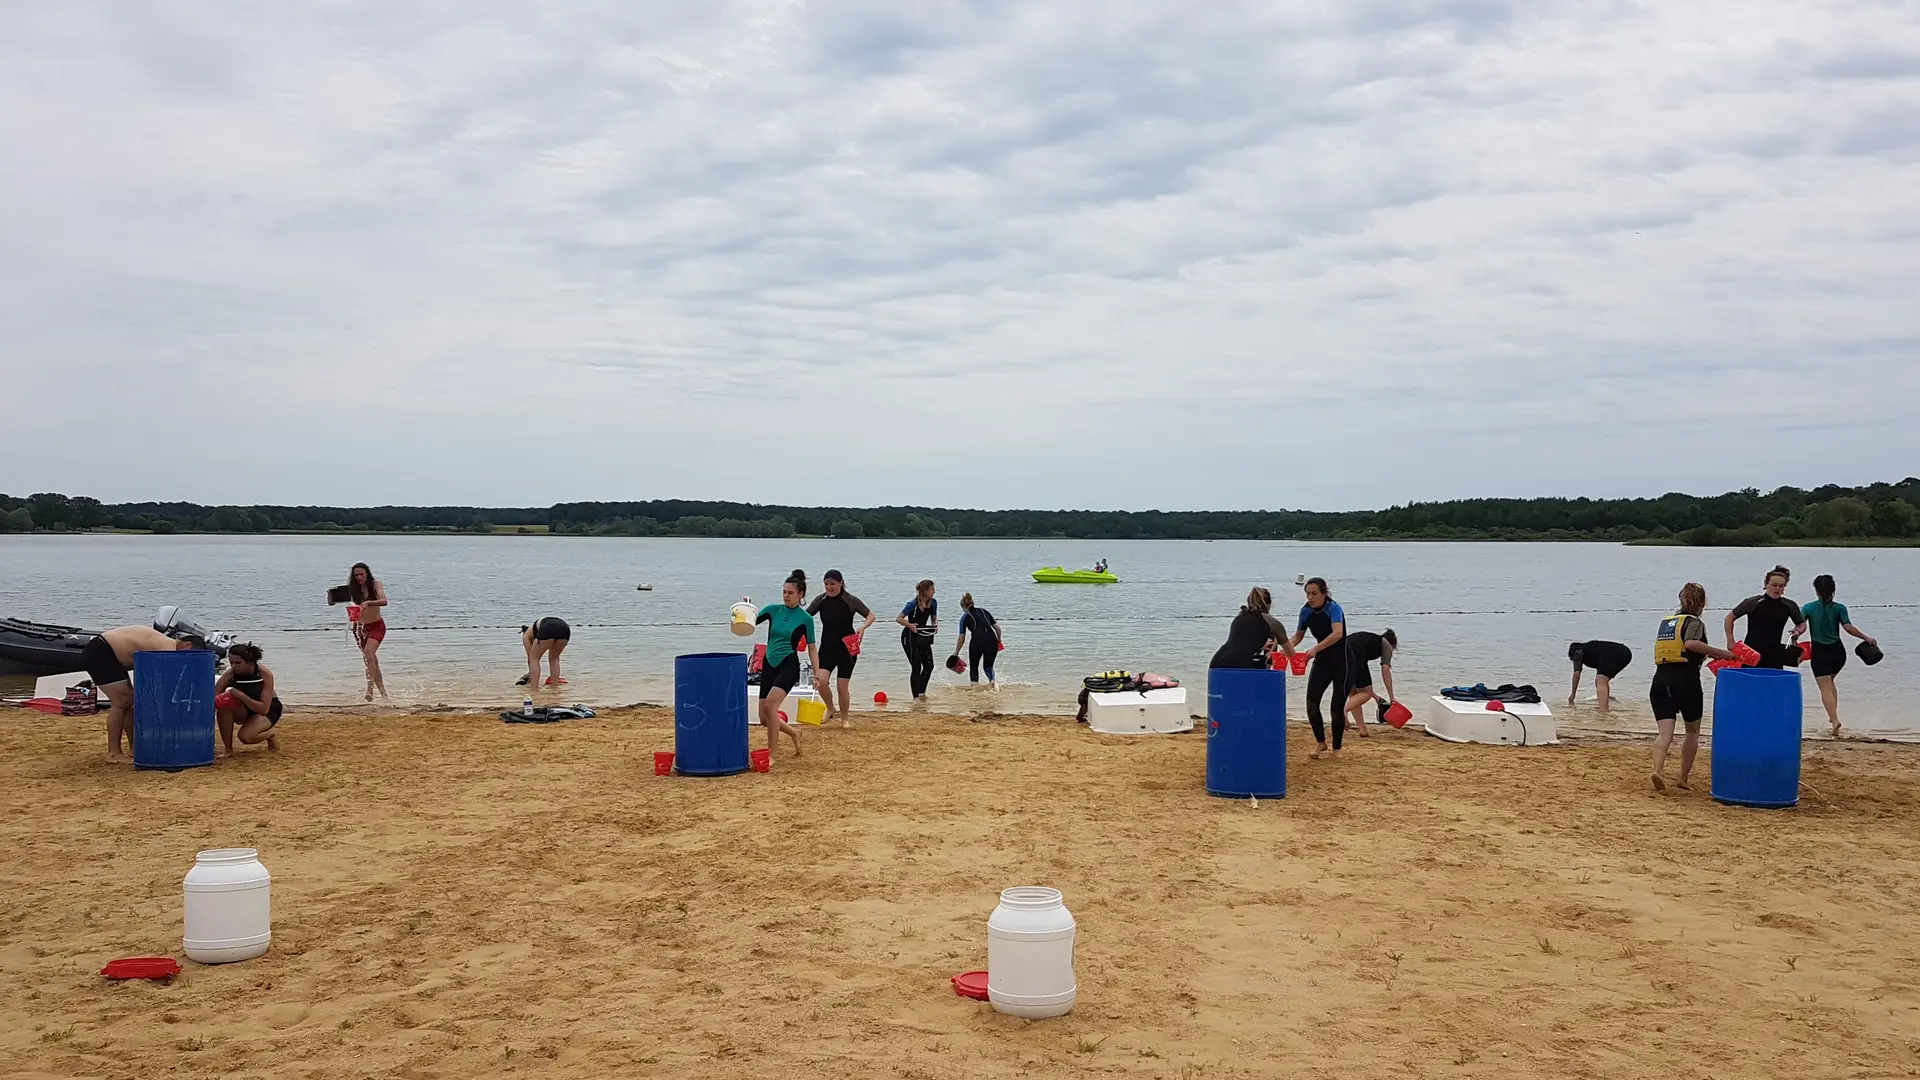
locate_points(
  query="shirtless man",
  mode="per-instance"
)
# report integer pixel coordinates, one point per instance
(108, 658)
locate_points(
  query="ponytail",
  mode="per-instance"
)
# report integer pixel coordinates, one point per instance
(1823, 587)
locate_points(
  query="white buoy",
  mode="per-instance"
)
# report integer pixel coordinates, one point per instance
(229, 907)
(1030, 954)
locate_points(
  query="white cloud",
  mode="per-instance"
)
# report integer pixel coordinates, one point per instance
(1061, 254)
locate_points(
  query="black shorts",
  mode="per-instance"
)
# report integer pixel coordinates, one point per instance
(1608, 663)
(835, 659)
(1359, 678)
(103, 667)
(551, 629)
(1828, 659)
(1676, 693)
(783, 676)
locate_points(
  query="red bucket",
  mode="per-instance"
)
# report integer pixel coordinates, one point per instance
(1746, 654)
(663, 763)
(1398, 715)
(1300, 661)
(761, 760)
(852, 642)
(1806, 651)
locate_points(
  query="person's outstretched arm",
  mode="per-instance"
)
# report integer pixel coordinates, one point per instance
(1575, 692)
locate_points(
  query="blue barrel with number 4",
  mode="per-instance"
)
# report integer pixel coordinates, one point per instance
(1247, 733)
(173, 709)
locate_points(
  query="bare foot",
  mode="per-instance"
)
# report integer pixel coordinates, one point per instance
(846, 723)
(369, 695)
(1659, 784)
(273, 743)
(1364, 733)
(118, 758)
(1836, 731)
(1683, 785)
(795, 736)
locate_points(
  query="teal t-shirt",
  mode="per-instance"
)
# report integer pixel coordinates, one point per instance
(1826, 621)
(787, 627)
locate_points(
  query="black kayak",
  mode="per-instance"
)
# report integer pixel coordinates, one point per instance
(30, 648)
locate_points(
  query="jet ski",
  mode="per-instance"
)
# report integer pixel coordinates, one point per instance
(36, 649)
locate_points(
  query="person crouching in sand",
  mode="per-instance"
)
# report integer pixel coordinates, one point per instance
(1679, 648)
(108, 659)
(244, 700)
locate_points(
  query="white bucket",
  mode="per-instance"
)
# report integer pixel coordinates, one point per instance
(1030, 954)
(743, 616)
(229, 907)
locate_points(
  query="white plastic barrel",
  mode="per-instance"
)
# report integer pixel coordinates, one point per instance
(229, 907)
(743, 616)
(1030, 954)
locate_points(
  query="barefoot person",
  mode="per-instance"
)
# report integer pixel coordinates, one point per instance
(919, 622)
(1607, 659)
(108, 659)
(368, 611)
(1362, 647)
(1826, 618)
(1679, 648)
(790, 631)
(1328, 622)
(1767, 615)
(547, 637)
(837, 608)
(244, 700)
(987, 639)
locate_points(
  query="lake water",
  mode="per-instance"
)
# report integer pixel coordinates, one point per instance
(1464, 612)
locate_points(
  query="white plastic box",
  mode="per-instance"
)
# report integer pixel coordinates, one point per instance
(1129, 712)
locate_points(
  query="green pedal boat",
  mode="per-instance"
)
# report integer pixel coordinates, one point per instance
(1053, 575)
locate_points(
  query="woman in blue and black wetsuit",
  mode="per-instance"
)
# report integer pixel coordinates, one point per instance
(789, 633)
(1328, 623)
(919, 622)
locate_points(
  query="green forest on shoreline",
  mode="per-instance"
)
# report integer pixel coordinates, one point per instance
(1877, 514)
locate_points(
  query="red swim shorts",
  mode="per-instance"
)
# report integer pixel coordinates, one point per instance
(365, 632)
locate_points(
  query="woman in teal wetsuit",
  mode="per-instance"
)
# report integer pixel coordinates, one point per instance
(789, 631)
(1827, 618)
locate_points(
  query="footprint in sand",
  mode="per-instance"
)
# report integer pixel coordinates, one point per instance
(1793, 923)
(283, 1016)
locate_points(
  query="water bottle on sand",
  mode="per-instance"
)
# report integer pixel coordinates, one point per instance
(526, 707)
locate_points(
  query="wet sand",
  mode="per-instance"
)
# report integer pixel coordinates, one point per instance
(458, 897)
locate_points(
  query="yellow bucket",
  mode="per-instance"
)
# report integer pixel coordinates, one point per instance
(811, 711)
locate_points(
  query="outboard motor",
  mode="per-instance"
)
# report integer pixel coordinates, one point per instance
(174, 623)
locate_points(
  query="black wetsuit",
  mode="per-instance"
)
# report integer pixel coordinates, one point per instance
(1606, 658)
(1767, 619)
(836, 626)
(917, 640)
(1329, 672)
(983, 641)
(251, 686)
(1247, 639)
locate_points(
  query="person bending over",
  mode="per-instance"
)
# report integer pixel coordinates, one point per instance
(1362, 647)
(1607, 659)
(987, 638)
(108, 659)
(244, 700)
(547, 637)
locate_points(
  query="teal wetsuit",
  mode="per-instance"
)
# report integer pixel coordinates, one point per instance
(788, 631)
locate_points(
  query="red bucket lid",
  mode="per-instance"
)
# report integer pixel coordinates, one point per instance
(142, 967)
(971, 984)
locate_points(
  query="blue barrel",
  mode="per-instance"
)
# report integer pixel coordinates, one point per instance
(172, 709)
(1756, 737)
(1247, 733)
(710, 714)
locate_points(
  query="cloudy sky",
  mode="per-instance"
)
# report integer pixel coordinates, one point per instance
(1171, 255)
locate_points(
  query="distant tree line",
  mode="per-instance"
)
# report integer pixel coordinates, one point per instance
(1875, 513)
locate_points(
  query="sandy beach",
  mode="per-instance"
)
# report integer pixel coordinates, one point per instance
(458, 897)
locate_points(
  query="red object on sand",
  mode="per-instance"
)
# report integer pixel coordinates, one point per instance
(48, 705)
(852, 642)
(879, 697)
(663, 763)
(1496, 706)
(142, 967)
(971, 984)
(760, 760)
(1398, 714)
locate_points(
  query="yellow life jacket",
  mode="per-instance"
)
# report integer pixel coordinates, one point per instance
(1670, 642)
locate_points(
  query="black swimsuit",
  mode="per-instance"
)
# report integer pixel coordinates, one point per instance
(251, 687)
